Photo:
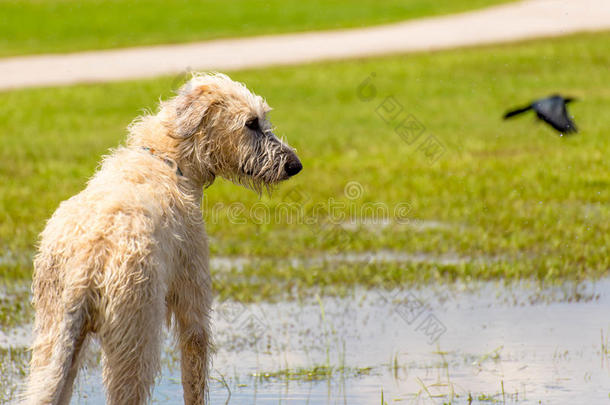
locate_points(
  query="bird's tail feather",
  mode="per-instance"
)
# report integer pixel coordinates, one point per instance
(518, 111)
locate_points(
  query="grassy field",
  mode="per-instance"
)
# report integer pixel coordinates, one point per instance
(41, 26)
(512, 199)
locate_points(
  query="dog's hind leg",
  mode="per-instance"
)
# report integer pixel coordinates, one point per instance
(131, 335)
(131, 355)
(55, 358)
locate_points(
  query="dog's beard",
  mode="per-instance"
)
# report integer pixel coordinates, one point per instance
(262, 164)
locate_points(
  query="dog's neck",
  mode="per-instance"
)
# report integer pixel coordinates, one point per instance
(151, 133)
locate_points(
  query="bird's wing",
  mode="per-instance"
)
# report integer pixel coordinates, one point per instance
(553, 111)
(517, 111)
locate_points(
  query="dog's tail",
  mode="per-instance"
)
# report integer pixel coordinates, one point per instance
(55, 359)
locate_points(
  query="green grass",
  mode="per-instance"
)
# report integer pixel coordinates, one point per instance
(15, 308)
(42, 26)
(13, 368)
(315, 373)
(518, 199)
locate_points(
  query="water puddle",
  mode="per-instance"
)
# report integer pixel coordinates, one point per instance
(379, 224)
(19, 337)
(485, 342)
(461, 344)
(10, 258)
(358, 258)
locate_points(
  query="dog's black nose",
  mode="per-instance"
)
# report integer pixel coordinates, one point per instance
(293, 166)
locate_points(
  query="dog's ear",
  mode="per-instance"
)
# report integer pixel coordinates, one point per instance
(192, 105)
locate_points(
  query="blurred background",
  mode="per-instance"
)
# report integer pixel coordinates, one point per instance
(429, 252)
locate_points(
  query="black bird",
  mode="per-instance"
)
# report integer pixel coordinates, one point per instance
(551, 110)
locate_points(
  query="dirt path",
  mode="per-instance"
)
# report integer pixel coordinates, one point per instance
(504, 23)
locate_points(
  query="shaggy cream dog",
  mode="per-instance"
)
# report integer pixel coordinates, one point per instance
(130, 251)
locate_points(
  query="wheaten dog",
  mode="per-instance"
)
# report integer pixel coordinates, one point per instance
(130, 251)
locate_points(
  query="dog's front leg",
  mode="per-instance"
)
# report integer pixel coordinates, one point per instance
(194, 351)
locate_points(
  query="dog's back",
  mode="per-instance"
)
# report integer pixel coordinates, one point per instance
(96, 246)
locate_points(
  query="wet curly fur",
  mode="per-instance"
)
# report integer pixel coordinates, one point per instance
(130, 251)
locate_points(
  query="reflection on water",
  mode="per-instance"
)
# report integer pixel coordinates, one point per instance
(223, 263)
(510, 344)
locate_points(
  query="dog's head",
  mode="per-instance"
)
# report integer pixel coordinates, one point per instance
(222, 129)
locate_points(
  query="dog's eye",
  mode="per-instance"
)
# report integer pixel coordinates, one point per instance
(253, 124)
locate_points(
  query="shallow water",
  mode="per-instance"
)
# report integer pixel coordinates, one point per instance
(421, 346)
(512, 344)
(361, 258)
